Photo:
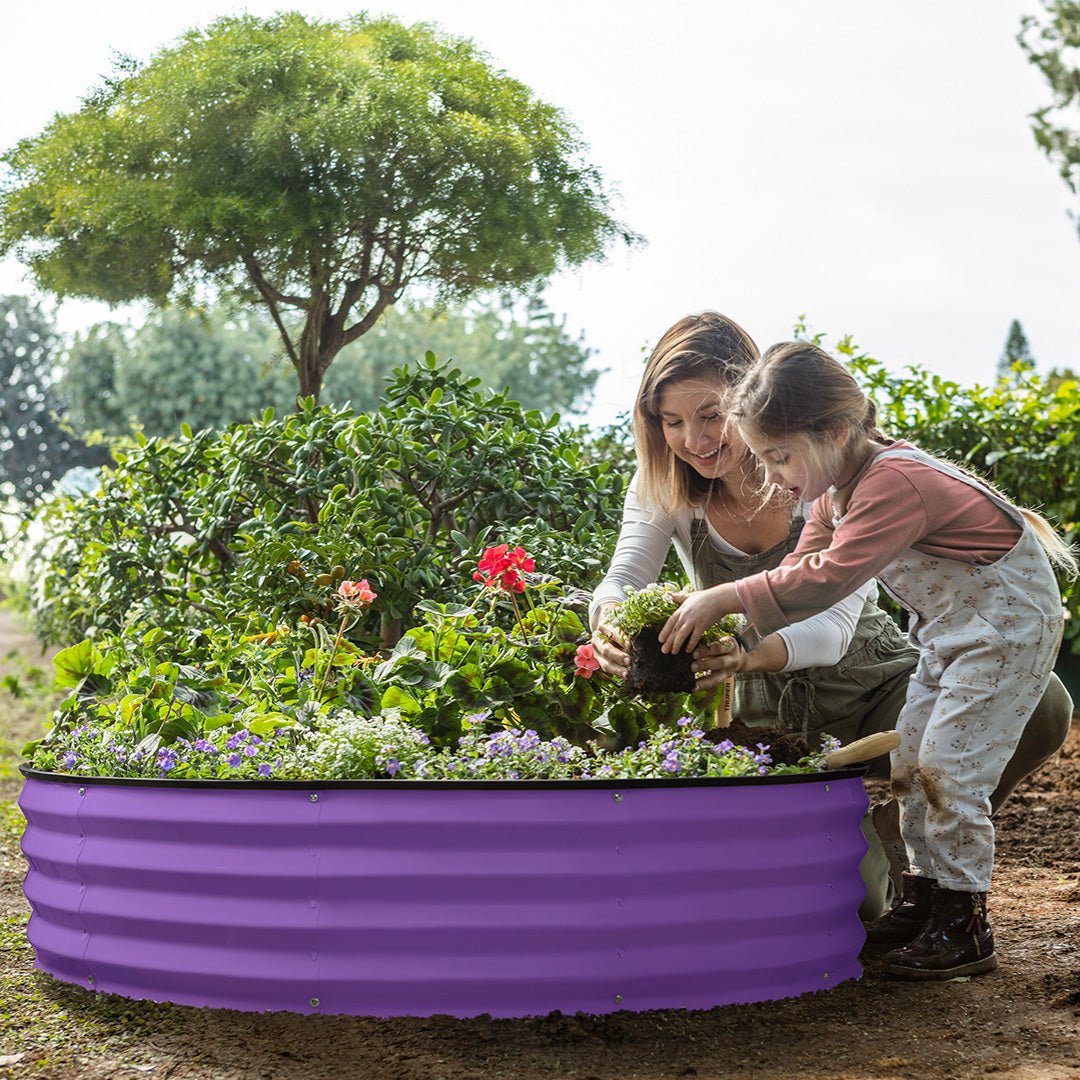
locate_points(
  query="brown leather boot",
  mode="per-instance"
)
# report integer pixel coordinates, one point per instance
(906, 920)
(957, 940)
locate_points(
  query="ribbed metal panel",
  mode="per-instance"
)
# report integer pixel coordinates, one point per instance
(392, 900)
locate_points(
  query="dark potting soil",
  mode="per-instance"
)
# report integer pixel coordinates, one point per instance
(784, 747)
(655, 672)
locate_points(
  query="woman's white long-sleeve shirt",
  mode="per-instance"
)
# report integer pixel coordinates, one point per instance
(645, 539)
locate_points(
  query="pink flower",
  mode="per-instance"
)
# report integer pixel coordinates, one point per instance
(585, 659)
(502, 567)
(357, 593)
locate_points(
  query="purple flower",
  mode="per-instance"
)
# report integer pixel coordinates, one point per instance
(205, 746)
(265, 769)
(250, 751)
(234, 741)
(68, 760)
(684, 720)
(233, 760)
(392, 766)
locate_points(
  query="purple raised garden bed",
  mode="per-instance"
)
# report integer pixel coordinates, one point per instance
(411, 898)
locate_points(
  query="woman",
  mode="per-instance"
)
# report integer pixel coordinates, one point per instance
(844, 672)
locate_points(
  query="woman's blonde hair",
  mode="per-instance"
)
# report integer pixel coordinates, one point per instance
(799, 393)
(709, 345)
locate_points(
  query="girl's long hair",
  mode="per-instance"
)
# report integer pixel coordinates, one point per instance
(705, 345)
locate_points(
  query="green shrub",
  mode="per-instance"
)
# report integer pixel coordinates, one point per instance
(241, 529)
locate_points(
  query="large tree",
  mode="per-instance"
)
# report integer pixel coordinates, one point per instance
(320, 168)
(35, 449)
(516, 345)
(1051, 44)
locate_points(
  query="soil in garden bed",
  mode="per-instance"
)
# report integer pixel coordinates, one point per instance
(784, 747)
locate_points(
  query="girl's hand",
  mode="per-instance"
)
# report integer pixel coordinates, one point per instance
(610, 647)
(697, 611)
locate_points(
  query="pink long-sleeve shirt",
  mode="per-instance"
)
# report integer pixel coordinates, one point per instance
(891, 505)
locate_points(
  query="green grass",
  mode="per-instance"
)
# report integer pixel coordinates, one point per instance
(12, 823)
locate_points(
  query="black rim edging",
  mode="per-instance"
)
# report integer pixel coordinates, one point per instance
(458, 785)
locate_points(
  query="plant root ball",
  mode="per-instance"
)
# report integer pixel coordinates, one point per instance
(655, 672)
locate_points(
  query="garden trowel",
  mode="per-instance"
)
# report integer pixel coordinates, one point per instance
(870, 746)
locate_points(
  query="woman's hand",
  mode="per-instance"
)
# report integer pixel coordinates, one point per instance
(726, 657)
(610, 647)
(719, 660)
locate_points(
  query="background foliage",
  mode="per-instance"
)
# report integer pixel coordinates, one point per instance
(516, 345)
(214, 367)
(35, 448)
(1051, 43)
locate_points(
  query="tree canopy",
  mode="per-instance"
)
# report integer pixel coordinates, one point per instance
(319, 168)
(1051, 44)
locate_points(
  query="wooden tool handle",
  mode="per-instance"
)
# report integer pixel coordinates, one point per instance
(870, 746)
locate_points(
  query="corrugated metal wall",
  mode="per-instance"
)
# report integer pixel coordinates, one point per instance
(389, 900)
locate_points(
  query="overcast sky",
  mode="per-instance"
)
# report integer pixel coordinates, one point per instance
(868, 164)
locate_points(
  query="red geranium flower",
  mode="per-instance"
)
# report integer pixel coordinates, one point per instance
(502, 567)
(585, 659)
(356, 593)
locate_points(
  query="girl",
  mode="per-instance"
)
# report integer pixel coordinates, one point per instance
(975, 573)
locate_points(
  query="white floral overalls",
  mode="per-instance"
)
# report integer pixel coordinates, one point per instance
(987, 636)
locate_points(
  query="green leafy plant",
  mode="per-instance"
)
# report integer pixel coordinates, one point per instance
(653, 605)
(214, 531)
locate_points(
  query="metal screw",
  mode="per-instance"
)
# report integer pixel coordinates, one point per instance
(618, 999)
(90, 979)
(82, 791)
(826, 787)
(314, 1002)
(617, 796)
(313, 797)
(826, 976)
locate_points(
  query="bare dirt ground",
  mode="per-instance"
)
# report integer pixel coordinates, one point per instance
(1021, 1022)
